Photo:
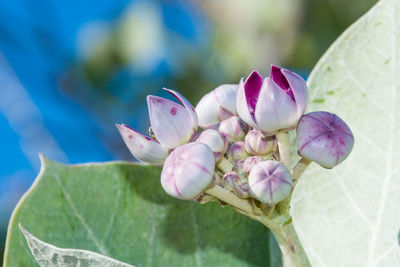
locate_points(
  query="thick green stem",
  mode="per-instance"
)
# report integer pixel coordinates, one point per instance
(284, 147)
(293, 254)
(299, 168)
(230, 198)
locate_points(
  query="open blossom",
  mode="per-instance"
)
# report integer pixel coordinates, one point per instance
(217, 105)
(172, 124)
(188, 170)
(272, 103)
(325, 138)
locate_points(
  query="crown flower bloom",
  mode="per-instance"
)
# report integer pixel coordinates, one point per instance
(172, 124)
(273, 103)
(270, 182)
(325, 138)
(217, 105)
(188, 170)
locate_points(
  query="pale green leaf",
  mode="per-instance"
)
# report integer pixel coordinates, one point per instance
(120, 211)
(350, 215)
(49, 255)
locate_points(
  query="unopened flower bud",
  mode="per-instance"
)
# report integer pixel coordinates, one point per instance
(249, 164)
(216, 141)
(259, 144)
(270, 182)
(237, 151)
(188, 170)
(233, 128)
(325, 138)
(232, 181)
(217, 105)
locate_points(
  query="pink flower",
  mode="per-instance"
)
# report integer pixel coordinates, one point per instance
(274, 103)
(172, 124)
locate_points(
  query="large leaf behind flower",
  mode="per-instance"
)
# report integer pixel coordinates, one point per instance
(120, 210)
(350, 216)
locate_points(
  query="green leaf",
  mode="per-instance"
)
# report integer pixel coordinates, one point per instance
(120, 211)
(48, 255)
(350, 215)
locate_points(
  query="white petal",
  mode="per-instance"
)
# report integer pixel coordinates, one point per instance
(142, 147)
(299, 89)
(207, 110)
(217, 105)
(275, 109)
(226, 97)
(171, 122)
(186, 104)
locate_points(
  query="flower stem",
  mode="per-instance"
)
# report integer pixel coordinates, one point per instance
(293, 254)
(225, 165)
(230, 198)
(284, 147)
(299, 168)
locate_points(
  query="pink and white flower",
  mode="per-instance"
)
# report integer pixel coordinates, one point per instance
(273, 103)
(173, 124)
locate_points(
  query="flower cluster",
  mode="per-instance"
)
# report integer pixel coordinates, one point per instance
(243, 147)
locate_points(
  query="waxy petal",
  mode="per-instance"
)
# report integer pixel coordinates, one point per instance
(242, 107)
(299, 90)
(217, 105)
(324, 138)
(190, 109)
(188, 170)
(252, 87)
(275, 109)
(279, 78)
(142, 147)
(171, 123)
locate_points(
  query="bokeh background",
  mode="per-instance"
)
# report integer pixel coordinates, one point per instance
(71, 69)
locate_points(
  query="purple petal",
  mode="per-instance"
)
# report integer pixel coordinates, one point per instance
(142, 147)
(279, 78)
(186, 104)
(171, 123)
(252, 87)
(275, 109)
(242, 107)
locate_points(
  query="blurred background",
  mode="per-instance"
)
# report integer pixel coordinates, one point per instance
(71, 69)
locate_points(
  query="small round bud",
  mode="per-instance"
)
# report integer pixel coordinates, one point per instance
(234, 128)
(258, 144)
(232, 181)
(188, 170)
(216, 141)
(237, 151)
(325, 138)
(249, 164)
(270, 182)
